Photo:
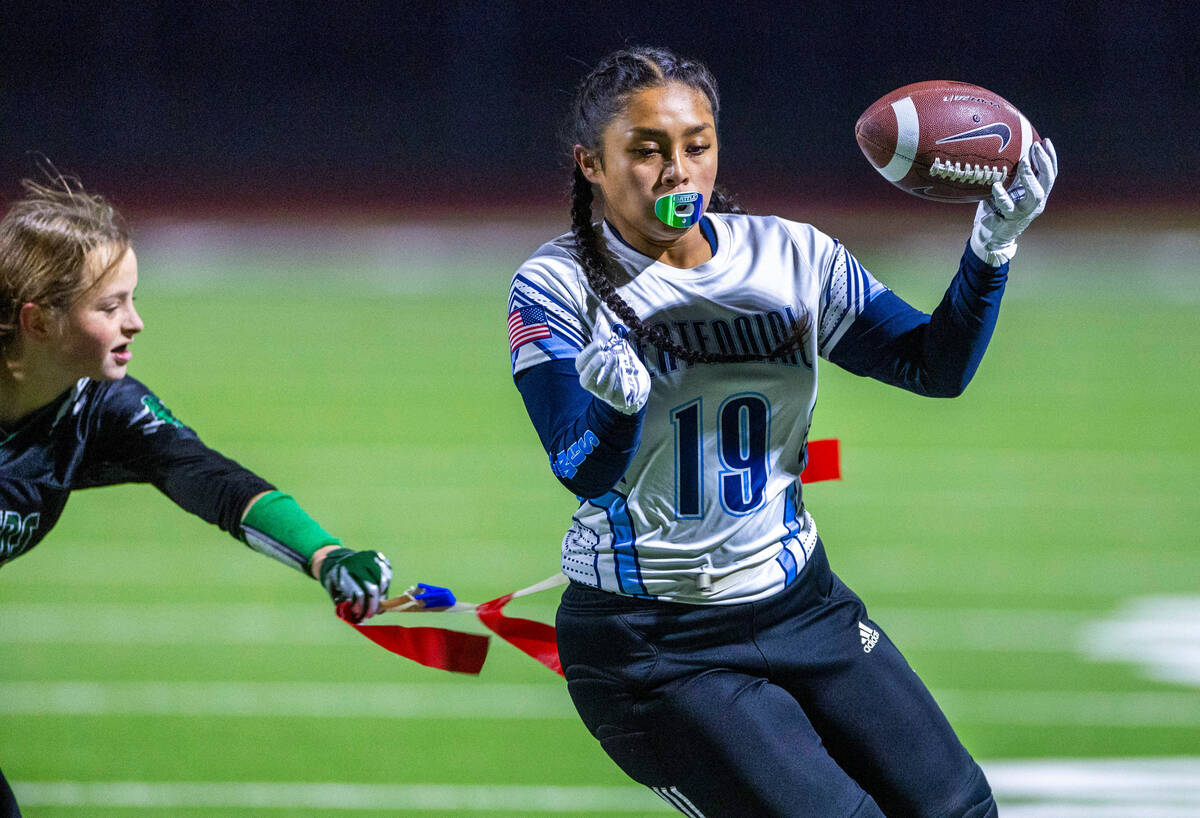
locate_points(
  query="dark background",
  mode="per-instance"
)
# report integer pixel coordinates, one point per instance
(439, 106)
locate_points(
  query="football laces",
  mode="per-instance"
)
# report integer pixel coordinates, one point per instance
(966, 172)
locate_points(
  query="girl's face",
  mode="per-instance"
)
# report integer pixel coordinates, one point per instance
(663, 141)
(94, 337)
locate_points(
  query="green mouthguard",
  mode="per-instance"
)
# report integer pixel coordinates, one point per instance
(680, 210)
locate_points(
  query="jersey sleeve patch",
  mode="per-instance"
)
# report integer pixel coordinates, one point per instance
(526, 324)
(846, 294)
(153, 415)
(540, 326)
(128, 404)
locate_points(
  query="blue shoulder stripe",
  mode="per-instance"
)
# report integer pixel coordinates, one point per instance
(550, 297)
(560, 315)
(556, 324)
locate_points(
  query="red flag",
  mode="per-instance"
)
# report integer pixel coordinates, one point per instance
(824, 461)
(433, 647)
(535, 639)
(465, 652)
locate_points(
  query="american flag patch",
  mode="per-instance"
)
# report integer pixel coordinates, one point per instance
(526, 324)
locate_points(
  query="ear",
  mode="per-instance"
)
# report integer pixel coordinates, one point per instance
(35, 321)
(589, 162)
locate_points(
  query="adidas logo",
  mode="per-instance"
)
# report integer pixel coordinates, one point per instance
(869, 636)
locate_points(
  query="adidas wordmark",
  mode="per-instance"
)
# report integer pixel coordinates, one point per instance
(868, 635)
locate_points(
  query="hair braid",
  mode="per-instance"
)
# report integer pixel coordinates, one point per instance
(595, 267)
(722, 201)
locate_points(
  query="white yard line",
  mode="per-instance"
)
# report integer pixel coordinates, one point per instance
(1059, 809)
(467, 699)
(1097, 788)
(289, 699)
(966, 629)
(446, 799)
(1038, 788)
(1160, 634)
(1071, 708)
(168, 623)
(1164, 781)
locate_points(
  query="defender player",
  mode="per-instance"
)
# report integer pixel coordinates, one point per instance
(70, 418)
(668, 360)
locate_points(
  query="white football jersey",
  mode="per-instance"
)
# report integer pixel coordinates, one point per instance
(709, 510)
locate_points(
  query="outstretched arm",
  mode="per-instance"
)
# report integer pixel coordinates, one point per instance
(933, 355)
(274, 524)
(937, 355)
(139, 440)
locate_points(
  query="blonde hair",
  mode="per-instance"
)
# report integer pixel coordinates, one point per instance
(45, 239)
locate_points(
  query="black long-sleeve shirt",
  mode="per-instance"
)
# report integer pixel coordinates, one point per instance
(102, 434)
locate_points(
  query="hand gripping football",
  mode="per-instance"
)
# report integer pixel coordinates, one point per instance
(945, 141)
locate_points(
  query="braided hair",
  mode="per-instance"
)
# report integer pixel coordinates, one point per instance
(598, 99)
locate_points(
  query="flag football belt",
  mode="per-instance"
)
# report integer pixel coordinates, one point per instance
(463, 652)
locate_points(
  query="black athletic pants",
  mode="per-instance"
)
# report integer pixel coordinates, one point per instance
(8, 801)
(797, 705)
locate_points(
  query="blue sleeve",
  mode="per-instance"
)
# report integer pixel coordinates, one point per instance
(934, 355)
(590, 444)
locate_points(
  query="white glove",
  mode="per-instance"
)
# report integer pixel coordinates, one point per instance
(610, 370)
(999, 221)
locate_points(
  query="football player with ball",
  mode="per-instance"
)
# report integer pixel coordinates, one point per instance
(667, 356)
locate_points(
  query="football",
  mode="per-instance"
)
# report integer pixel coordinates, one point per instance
(943, 140)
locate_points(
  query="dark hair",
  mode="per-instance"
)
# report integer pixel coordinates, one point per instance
(599, 97)
(45, 239)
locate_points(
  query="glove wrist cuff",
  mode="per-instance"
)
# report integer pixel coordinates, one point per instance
(627, 410)
(331, 559)
(278, 527)
(992, 256)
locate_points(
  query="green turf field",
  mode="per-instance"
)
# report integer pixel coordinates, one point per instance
(1031, 546)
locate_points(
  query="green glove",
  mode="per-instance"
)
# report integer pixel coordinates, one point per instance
(357, 581)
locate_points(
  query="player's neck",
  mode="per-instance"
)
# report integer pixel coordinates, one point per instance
(26, 386)
(683, 252)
